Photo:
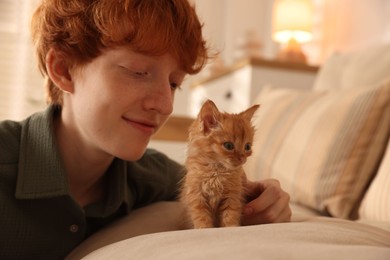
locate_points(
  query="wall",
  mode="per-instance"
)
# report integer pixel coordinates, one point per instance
(339, 25)
(349, 25)
(226, 23)
(21, 89)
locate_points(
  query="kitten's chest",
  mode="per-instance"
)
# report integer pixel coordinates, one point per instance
(219, 186)
(214, 186)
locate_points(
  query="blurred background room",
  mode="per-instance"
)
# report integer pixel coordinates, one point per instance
(236, 29)
(259, 42)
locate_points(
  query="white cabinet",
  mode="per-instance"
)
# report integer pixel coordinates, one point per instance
(235, 88)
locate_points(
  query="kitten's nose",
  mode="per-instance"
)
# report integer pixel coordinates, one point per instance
(242, 159)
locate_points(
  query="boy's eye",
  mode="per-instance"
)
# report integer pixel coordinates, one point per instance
(141, 74)
(248, 147)
(228, 145)
(175, 86)
(134, 72)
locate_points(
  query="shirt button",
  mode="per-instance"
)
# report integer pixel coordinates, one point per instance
(74, 228)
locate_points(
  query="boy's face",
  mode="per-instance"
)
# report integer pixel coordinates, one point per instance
(121, 99)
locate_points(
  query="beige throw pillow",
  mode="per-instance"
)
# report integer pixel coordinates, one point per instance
(376, 203)
(366, 67)
(323, 146)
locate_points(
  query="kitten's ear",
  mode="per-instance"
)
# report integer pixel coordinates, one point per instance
(248, 114)
(208, 116)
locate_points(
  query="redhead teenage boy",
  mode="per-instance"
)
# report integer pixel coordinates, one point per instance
(112, 68)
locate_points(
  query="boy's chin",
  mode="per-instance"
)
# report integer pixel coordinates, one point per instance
(134, 155)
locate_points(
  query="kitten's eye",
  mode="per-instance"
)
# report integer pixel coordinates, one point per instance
(248, 147)
(228, 145)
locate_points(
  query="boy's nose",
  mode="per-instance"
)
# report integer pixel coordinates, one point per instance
(161, 100)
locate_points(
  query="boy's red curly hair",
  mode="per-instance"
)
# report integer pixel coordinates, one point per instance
(81, 29)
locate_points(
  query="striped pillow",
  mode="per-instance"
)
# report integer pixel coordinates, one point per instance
(376, 202)
(323, 146)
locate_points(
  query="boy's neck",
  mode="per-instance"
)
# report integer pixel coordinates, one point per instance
(85, 168)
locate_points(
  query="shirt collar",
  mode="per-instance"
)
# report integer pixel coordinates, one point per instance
(41, 173)
(117, 186)
(40, 170)
(116, 194)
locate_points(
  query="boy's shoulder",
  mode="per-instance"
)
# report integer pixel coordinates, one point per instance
(10, 133)
(9, 127)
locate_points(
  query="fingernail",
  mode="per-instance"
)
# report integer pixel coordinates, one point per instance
(248, 210)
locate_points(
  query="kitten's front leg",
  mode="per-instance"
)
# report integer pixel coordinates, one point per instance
(230, 212)
(201, 216)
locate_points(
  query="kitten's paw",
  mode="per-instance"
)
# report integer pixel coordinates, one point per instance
(203, 225)
(230, 224)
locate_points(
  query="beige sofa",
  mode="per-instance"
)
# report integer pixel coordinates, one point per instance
(329, 148)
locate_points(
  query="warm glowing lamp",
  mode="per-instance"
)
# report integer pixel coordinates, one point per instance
(292, 26)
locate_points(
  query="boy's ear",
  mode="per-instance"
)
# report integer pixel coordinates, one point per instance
(58, 70)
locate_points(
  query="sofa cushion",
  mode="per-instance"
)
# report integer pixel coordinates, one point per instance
(330, 73)
(323, 146)
(376, 202)
(366, 67)
(158, 217)
(316, 238)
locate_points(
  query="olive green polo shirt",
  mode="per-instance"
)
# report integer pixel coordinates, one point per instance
(38, 217)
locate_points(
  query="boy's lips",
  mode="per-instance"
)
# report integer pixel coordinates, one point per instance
(145, 126)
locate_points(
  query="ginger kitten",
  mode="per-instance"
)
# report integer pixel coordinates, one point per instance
(213, 188)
